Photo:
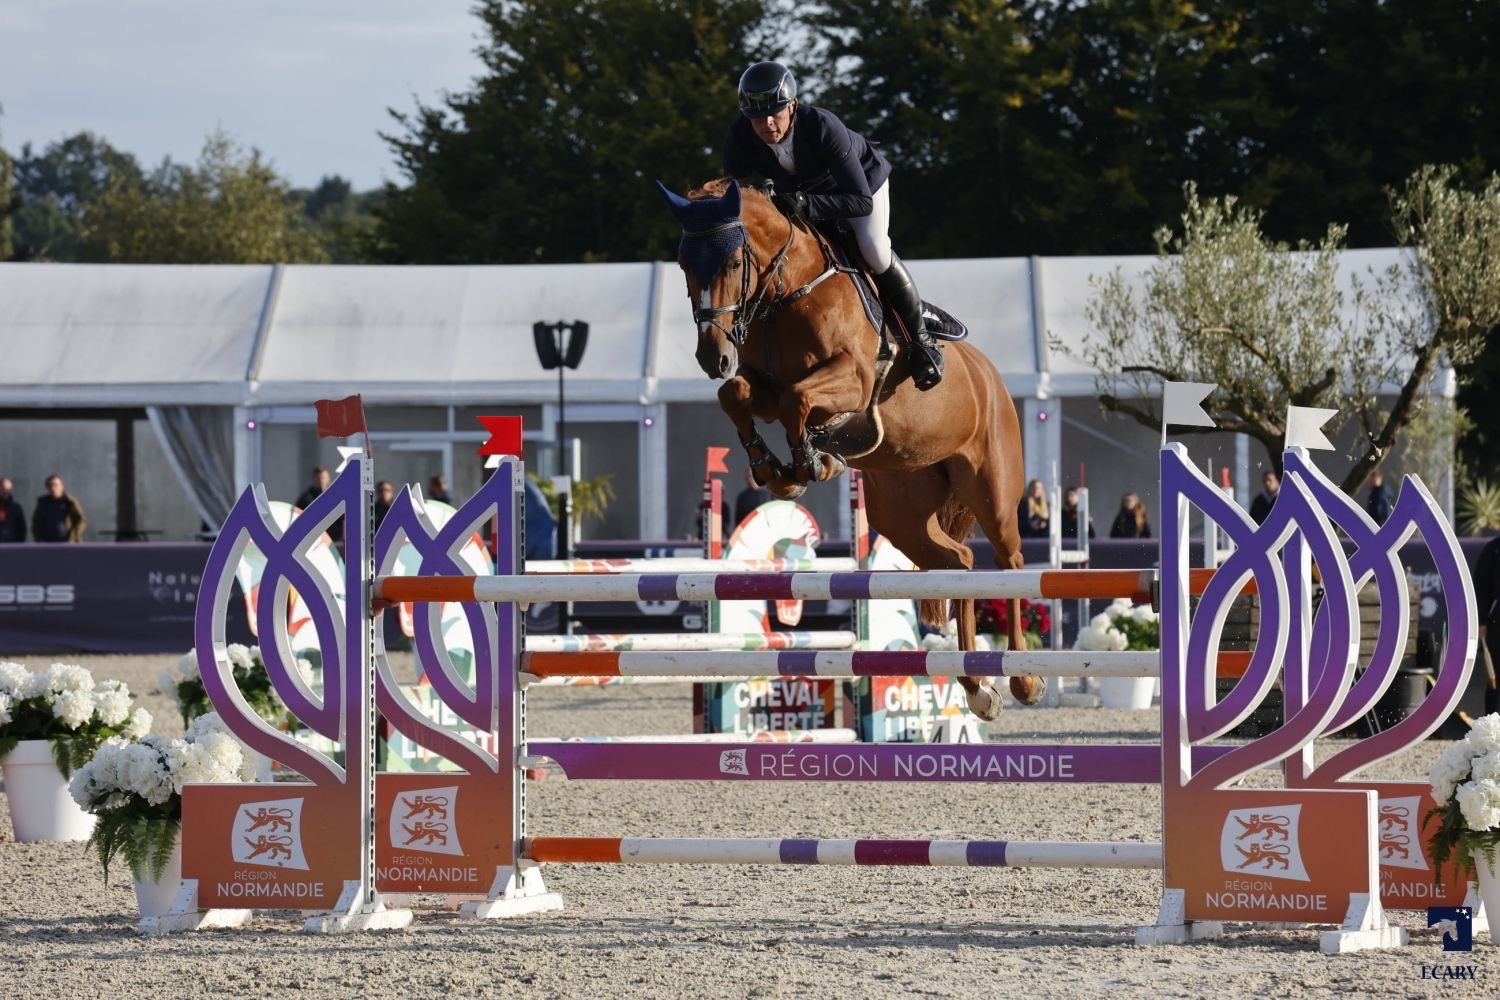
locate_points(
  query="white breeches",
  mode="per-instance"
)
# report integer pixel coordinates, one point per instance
(872, 232)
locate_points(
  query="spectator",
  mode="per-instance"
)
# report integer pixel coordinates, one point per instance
(314, 490)
(1032, 514)
(1131, 521)
(1260, 507)
(12, 517)
(749, 498)
(437, 489)
(541, 525)
(320, 480)
(1070, 515)
(385, 495)
(58, 517)
(1380, 500)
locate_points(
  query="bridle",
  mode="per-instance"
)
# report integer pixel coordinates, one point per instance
(747, 310)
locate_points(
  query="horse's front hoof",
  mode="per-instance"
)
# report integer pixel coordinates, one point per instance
(984, 702)
(785, 490)
(1028, 690)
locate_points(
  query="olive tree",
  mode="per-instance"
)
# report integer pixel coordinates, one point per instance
(1273, 326)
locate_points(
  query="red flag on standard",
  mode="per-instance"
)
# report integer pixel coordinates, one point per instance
(341, 417)
(714, 461)
(505, 436)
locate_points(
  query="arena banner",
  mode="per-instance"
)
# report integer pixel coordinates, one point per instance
(104, 598)
(138, 597)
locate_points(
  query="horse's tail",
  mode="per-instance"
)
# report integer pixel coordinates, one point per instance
(957, 521)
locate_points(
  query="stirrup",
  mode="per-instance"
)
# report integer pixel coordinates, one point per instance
(926, 364)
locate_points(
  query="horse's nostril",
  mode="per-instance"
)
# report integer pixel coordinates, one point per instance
(724, 366)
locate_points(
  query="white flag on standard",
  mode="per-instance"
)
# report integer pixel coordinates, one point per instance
(1182, 404)
(1304, 427)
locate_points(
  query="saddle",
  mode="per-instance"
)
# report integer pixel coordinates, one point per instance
(857, 433)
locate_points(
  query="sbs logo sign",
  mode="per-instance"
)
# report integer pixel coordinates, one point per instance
(14, 595)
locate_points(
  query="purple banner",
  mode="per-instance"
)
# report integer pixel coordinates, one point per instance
(1134, 763)
(104, 598)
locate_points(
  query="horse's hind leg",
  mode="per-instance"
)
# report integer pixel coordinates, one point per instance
(983, 492)
(907, 509)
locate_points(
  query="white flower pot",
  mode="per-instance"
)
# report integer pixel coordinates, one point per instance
(40, 806)
(155, 897)
(1487, 867)
(1126, 692)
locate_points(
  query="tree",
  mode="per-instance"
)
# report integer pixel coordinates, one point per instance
(1355, 96)
(550, 156)
(53, 187)
(1224, 304)
(1454, 272)
(342, 218)
(231, 208)
(952, 92)
(7, 203)
(1151, 94)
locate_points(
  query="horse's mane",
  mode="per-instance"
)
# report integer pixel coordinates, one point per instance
(711, 189)
(754, 202)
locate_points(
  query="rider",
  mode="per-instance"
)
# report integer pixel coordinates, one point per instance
(824, 170)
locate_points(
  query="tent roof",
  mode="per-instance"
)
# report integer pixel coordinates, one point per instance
(98, 334)
(117, 335)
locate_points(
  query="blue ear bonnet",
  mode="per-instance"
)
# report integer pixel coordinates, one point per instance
(704, 254)
(709, 233)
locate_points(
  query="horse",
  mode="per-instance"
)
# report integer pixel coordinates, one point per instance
(783, 325)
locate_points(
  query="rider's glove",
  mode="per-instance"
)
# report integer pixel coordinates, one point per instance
(791, 203)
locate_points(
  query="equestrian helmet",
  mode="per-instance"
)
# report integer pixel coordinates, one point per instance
(765, 89)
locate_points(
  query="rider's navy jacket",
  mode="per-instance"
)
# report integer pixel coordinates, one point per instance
(837, 167)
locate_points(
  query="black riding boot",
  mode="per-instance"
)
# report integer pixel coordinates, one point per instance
(900, 293)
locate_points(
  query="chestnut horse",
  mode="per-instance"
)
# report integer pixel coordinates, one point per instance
(788, 333)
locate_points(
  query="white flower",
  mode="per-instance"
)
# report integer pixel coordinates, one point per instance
(81, 787)
(144, 773)
(138, 726)
(1447, 771)
(187, 667)
(14, 678)
(305, 668)
(239, 657)
(166, 683)
(4, 709)
(1101, 636)
(1486, 766)
(112, 702)
(1480, 803)
(209, 722)
(1143, 613)
(74, 708)
(37, 685)
(70, 677)
(1485, 733)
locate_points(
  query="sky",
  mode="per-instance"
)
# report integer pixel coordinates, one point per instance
(307, 82)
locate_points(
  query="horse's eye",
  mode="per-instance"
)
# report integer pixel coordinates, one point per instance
(734, 265)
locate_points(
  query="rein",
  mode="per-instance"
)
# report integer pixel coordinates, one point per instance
(747, 309)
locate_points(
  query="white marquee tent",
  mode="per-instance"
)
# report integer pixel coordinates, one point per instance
(438, 344)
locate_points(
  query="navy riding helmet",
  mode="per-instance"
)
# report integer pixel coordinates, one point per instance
(765, 89)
